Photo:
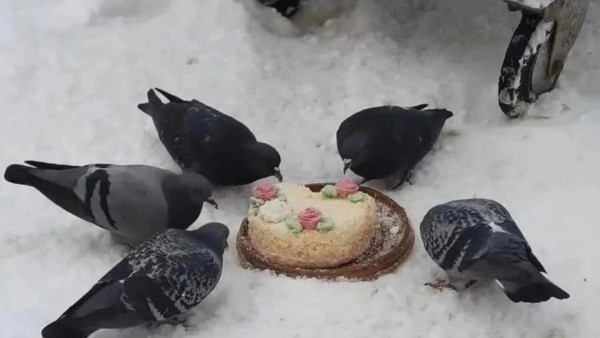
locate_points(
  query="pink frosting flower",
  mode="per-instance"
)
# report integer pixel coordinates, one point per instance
(309, 218)
(265, 191)
(346, 188)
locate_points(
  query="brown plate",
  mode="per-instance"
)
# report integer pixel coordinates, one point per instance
(391, 245)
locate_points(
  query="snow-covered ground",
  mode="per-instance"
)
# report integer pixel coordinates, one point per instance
(73, 72)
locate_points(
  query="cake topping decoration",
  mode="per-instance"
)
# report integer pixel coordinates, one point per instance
(255, 202)
(265, 192)
(274, 211)
(356, 197)
(309, 218)
(329, 191)
(293, 225)
(346, 187)
(325, 225)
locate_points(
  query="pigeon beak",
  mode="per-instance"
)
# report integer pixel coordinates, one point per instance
(210, 200)
(347, 164)
(277, 174)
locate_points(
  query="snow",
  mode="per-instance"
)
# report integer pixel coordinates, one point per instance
(74, 71)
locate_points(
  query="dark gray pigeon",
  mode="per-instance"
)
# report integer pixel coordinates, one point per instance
(477, 239)
(388, 141)
(202, 139)
(133, 202)
(158, 282)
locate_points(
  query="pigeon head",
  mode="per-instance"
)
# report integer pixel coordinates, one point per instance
(214, 235)
(262, 161)
(353, 150)
(198, 188)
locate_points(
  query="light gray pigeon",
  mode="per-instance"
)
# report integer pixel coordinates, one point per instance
(477, 239)
(133, 202)
(158, 282)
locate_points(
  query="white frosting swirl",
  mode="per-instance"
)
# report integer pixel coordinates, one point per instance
(274, 211)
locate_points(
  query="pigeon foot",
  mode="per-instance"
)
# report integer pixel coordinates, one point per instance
(440, 284)
(406, 177)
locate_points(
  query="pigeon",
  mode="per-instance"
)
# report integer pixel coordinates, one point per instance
(388, 141)
(133, 202)
(477, 239)
(158, 282)
(204, 140)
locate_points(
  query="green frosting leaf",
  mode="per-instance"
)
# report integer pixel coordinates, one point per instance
(282, 197)
(329, 191)
(255, 202)
(356, 197)
(325, 225)
(293, 225)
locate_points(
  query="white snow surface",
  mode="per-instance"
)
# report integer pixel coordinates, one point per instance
(73, 72)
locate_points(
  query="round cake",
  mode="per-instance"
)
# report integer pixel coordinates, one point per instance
(291, 225)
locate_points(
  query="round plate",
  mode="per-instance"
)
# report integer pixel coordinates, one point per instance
(391, 245)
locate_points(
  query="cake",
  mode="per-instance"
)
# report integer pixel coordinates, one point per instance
(291, 225)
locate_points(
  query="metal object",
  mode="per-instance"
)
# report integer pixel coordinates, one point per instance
(532, 65)
(568, 16)
(286, 8)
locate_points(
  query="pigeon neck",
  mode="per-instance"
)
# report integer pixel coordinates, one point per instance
(182, 210)
(211, 241)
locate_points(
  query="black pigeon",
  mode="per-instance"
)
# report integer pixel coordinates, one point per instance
(133, 202)
(386, 141)
(477, 239)
(202, 139)
(158, 282)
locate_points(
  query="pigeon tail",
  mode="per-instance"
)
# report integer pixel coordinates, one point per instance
(169, 96)
(62, 329)
(18, 174)
(540, 290)
(153, 103)
(145, 107)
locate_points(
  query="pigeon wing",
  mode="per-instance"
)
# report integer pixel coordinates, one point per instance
(464, 246)
(506, 259)
(500, 215)
(511, 227)
(364, 121)
(207, 125)
(55, 166)
(105, 294)
(173, 286)
(412, 129)
(58, 186)
(52, 166)
(502, 218)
